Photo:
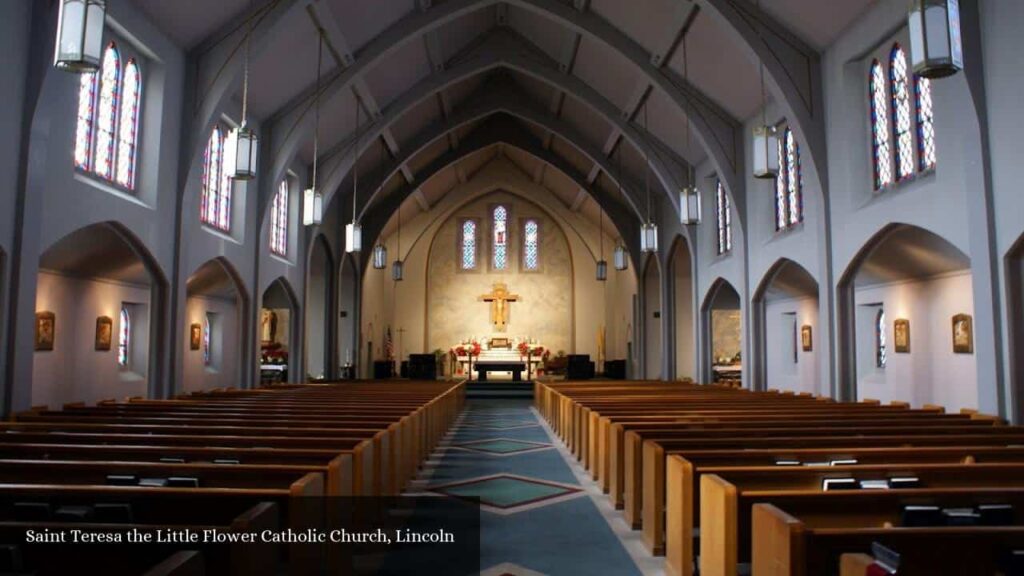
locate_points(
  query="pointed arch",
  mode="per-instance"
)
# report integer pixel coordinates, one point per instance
(684, 307)
(719, 301)
(786, 292)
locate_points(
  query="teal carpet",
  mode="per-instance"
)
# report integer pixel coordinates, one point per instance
(535, 518)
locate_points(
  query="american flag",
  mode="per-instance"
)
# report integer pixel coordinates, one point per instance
(389, 345)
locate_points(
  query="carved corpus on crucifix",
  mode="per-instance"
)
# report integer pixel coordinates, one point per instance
(499, 299)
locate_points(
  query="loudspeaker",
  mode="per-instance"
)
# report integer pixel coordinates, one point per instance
(615, 369)
(580, 367)
(383, 369)
(422, 367)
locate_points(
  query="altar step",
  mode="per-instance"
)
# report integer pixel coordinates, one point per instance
(499, 389)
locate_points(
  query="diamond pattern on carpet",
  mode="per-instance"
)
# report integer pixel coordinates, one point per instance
(508, 493)
(502, 446)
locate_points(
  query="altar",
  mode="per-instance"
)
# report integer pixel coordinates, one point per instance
(498, 354)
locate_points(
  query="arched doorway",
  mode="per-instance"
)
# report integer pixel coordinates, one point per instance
(786, 330)
(348, 316)
(652, 319)
(905, 303)
(319, 279)
(723, 333)
(100, 299)
(279, 340)
(1015, 324)
(682, 287)
(215, 319)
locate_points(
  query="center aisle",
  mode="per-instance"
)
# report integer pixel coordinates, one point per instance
(537, 517)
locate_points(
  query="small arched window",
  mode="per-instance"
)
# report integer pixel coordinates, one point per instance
(723, 212)
(207, 352)
(467, 245)
(531, 245)
(925, 124)
(215, 203)
(279, 221)
(124, 338)
(880, 339)
(899, 84)
(881, 152)
(499, 240)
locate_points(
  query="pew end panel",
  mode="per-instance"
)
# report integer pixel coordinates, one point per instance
(719, 527)
(779, 544)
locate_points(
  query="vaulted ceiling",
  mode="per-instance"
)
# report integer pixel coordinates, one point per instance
(569, 73)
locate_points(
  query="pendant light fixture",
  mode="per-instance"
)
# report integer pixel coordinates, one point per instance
(246, 141)
(380, 256)
(936, 48)
(396, 267)
(353, 231)
(689, 196)
(312, 199)
(766, 139)
(649, 230)
(79, 35)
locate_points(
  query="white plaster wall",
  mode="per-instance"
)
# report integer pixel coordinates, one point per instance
(225, 343)
(931, 373)
(783, 373)
(74, 370)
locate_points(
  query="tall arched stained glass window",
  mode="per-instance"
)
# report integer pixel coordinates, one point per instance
(109, 100)
(925, 124)
(881, 150)
(724, 217)
(279, 221)
(124, 337)
(467, 245)
(215, 202)
(86, 120)
(899, 84)
(127, 131)
(531, 245)
(107, 125)
(880, 340)
(499, 240)
(789, 209)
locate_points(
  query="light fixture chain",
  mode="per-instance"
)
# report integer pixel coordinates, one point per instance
(316, 104)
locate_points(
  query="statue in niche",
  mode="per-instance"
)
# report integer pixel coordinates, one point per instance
(268, 325)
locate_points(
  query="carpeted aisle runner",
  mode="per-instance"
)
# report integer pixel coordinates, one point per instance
(537, 517)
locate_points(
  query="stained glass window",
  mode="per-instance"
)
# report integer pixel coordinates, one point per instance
(106, 124)
(880, 343)
(128, 129)
(880, 127)
(107, 128)
(925, 124)
(723, 212)
(901, 120)
(207, 353)
(86, 120)
(279, 221)
(531, 245)
(789, 209)
(215, 202)
(500, 238)
(124, 337)
(468, 245)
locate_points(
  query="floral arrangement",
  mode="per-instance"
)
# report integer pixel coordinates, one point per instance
(273, 354)
(472, 349)
(526, 349)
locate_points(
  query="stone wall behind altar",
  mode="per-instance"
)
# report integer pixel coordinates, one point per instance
(544, 308)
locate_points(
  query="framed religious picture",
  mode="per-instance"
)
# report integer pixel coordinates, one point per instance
(901, 336)
(104, 332)
(195, 336)
(963, 334)
(46, 330)
(805, 338)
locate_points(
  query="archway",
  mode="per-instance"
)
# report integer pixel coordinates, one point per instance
(652, 319)
(1015, 323)
(279, 340)
(100, 299)
(906, 307)
(785, 318)
(215, 327)
(723, 333)
(681, 264)
(319, 287)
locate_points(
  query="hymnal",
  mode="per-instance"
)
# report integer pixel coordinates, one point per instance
(920, 516)
(996, 515)
(787, 462)
(904, 482)
(838, 484)
(874, 484)
(843, 462)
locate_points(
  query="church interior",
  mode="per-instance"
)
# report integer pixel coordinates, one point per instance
(663, 287)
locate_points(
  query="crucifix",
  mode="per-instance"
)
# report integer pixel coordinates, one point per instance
(499, 299)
